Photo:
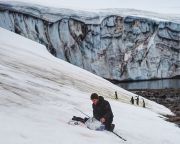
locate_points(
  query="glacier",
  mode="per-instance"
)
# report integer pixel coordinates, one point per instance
(116, 44)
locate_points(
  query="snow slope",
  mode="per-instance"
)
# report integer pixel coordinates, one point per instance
(53, 11)
(39, 94)
(160, 6)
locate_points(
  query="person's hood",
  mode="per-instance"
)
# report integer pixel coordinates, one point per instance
(101, 99)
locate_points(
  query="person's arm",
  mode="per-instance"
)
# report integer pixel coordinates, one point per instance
(95, 115)
(108, 110)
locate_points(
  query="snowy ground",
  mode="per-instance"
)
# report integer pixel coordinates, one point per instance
(55, 10)
(160, 6)
(39, 94)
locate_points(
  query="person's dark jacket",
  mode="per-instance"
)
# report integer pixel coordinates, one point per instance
(102, 110)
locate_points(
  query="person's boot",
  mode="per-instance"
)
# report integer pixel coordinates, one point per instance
(112, 127)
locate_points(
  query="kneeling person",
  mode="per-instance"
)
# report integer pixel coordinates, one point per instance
(102, 111)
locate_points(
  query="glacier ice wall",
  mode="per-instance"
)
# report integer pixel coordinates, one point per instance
(109, 44)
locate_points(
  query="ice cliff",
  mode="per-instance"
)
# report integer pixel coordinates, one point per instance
(115, 44)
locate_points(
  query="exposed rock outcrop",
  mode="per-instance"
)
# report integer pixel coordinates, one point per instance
(167, 97)
(110, 44)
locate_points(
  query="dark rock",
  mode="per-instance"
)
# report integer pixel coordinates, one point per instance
(167, 97)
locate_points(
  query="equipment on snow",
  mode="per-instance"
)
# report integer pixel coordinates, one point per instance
(91, 119)
(83, 120)
(90, 123)
(82, 112)
(94, 124)
(119, 136)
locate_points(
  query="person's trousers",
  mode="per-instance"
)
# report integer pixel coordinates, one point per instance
(108, 123)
